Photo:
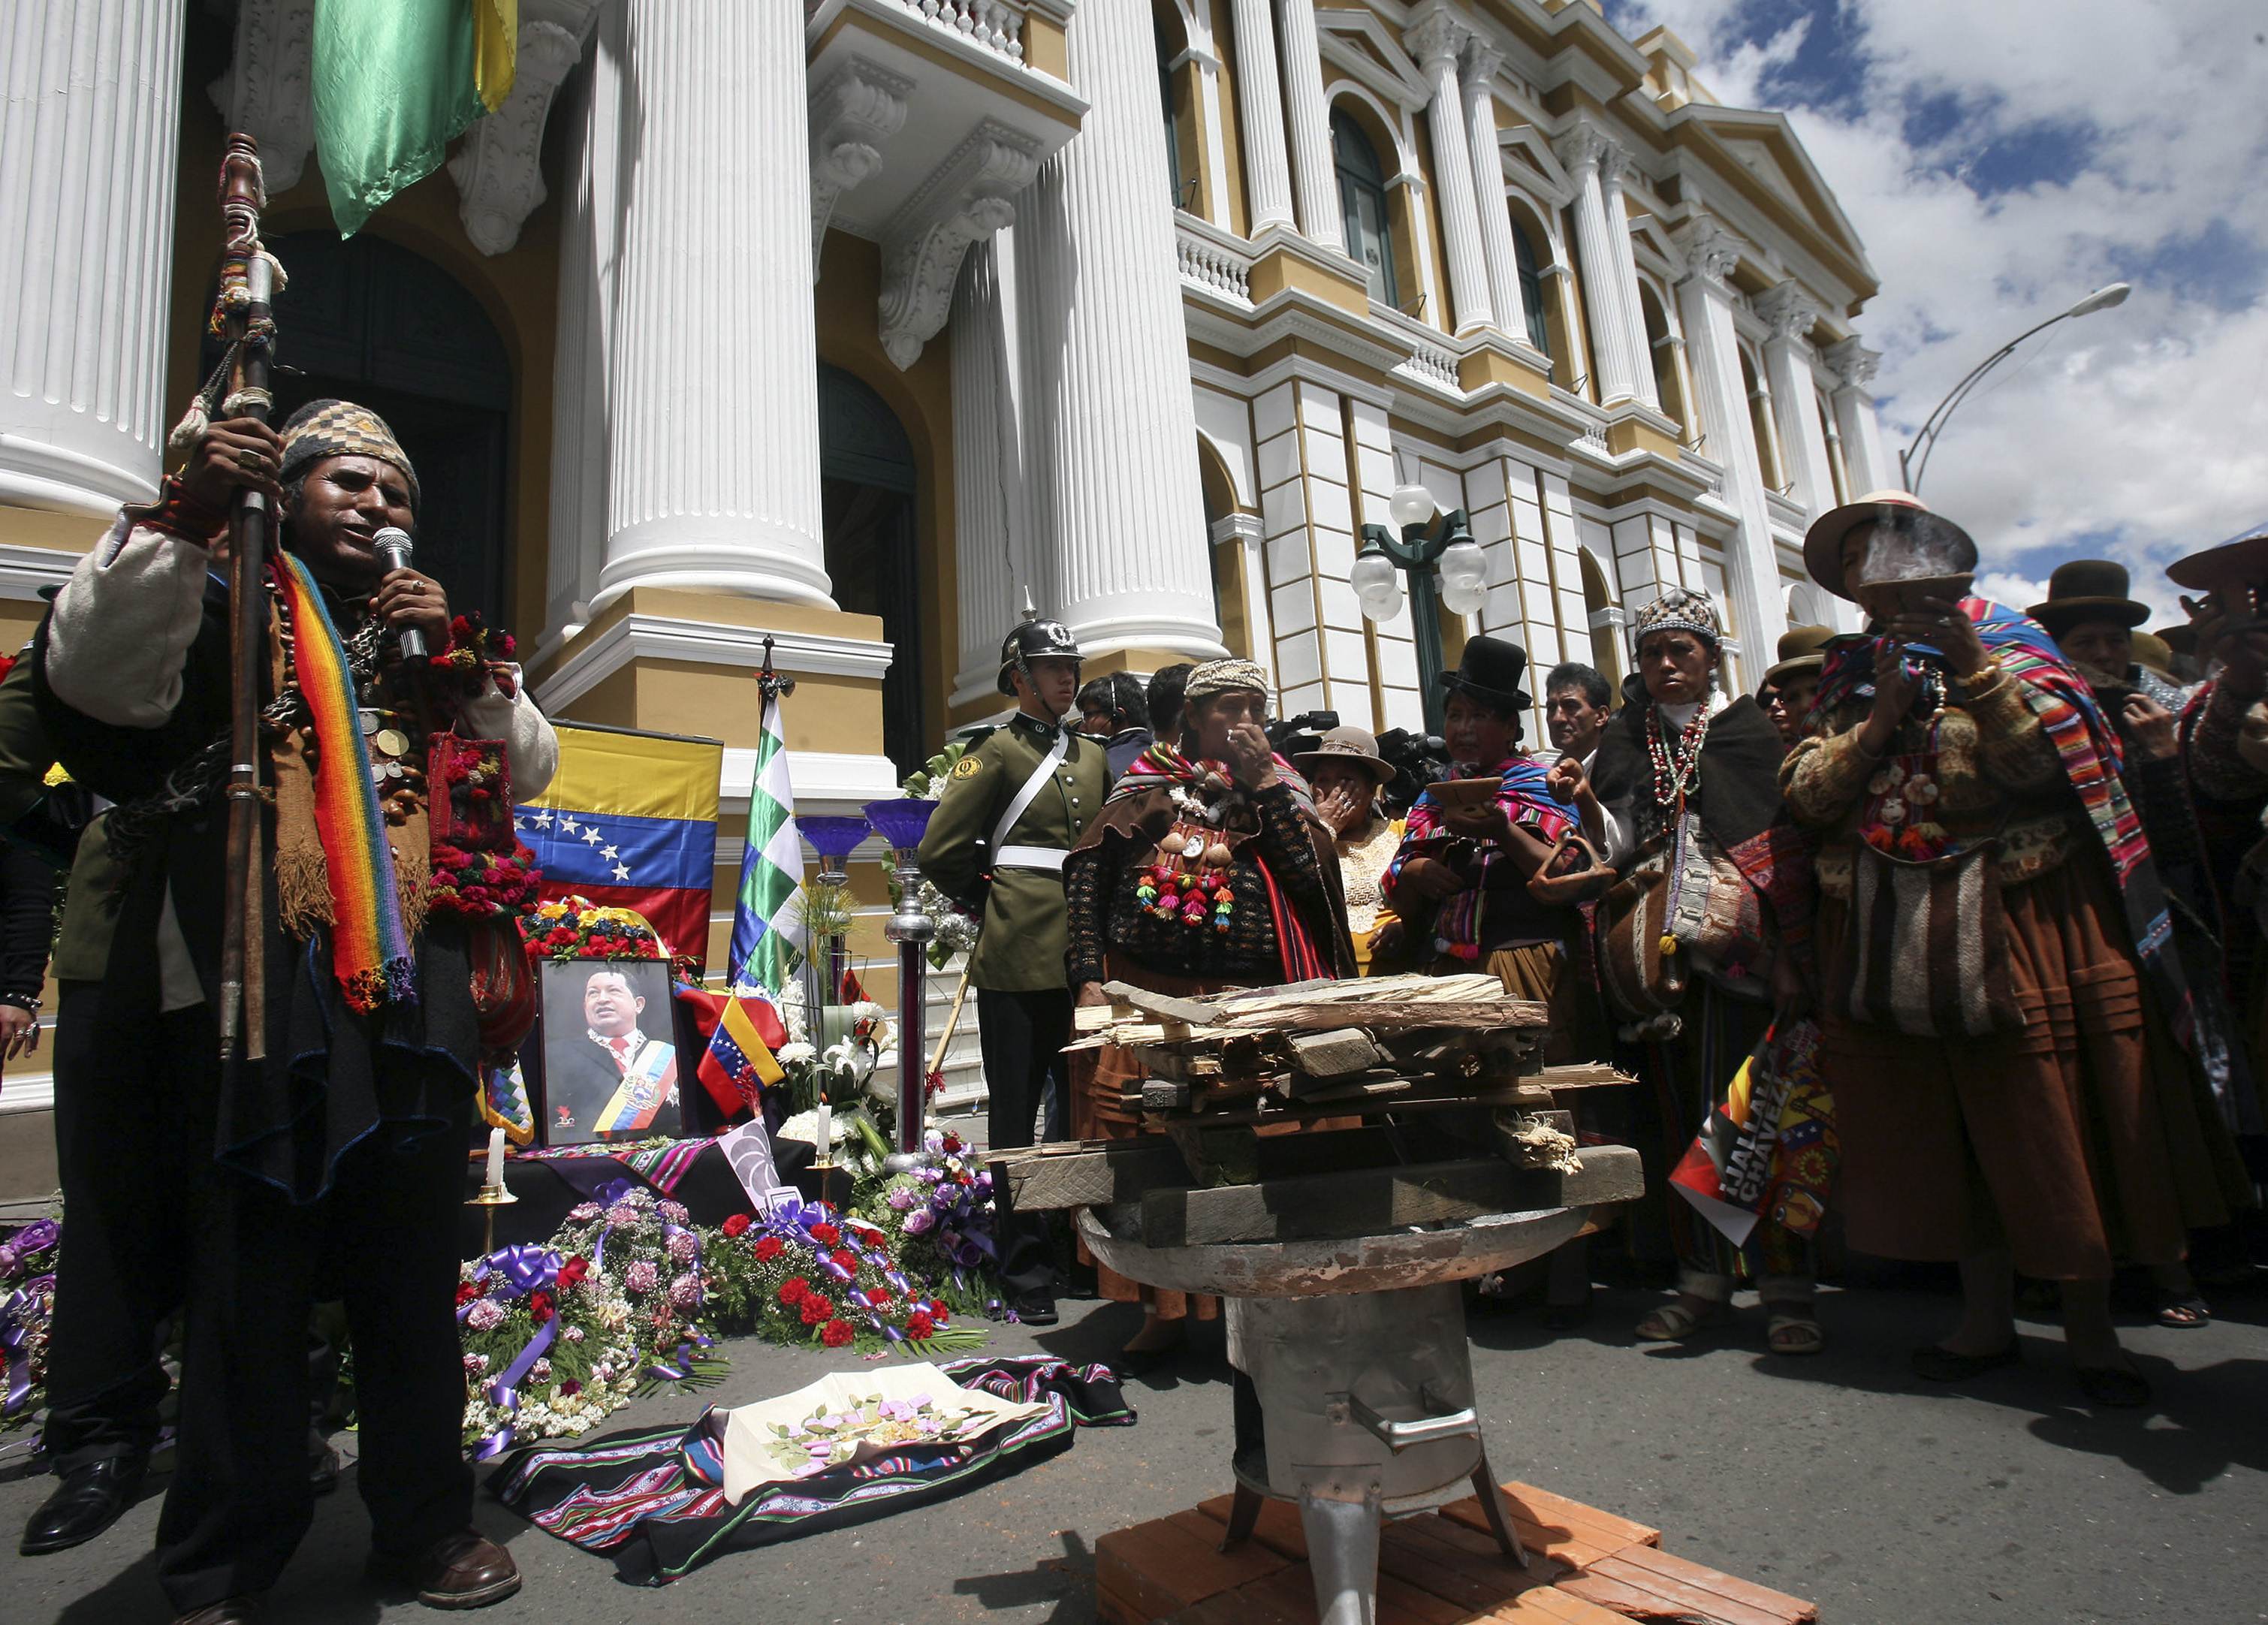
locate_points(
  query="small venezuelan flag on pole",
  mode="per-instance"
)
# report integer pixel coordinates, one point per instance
(739, 1061)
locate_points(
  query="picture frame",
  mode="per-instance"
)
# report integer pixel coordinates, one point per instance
(609, 1053)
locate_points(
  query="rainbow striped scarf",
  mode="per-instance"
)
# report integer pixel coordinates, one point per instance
(370, 945)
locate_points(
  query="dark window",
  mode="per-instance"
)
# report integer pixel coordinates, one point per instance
(1531, 287)
(1166, 55)
(1362, 201)
(866, 484)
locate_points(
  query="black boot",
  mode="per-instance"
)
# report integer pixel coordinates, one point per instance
(88, 1501)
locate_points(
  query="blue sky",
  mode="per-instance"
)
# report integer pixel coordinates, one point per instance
(2000, 161)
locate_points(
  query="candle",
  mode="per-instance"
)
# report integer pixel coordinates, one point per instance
(494, 1181)
(824, 1134)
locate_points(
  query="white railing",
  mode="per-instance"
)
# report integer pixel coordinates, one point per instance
(1594, 437)
(1211, 261)
(1712, 477)
(996, 24)
(1430, 361)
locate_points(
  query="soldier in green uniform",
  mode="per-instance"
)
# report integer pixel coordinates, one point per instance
(1012, 810)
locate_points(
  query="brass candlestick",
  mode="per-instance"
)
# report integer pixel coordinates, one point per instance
(489, 1198)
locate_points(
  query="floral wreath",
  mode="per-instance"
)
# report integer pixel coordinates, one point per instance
(576, 928)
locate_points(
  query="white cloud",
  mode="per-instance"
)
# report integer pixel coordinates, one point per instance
(2141, 432)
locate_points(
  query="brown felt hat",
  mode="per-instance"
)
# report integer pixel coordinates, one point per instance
(1355, 746)
(1802, 649)
(1898, 510)
(2181, 639)
(2153, 653)
(2087, 590)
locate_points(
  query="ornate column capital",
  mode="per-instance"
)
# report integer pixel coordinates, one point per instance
(267, 93)
(498, 171)
(1435, 39)
(1787, 311)
(966, 199)
(1587, 147)
(851, 115)
(1710, 251)
(1483, 64)
(1853, 363)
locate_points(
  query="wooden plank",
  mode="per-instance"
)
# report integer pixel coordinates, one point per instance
(1277, 1528)
(1368, 1202)
(1639, 1594)
(1777, 1605)
(1568, 1530)
(1189, 1012)
(1581, 1074)
(1334, 1054)
(1094, 1175)
(1161, 1560)
(1543, 1506)
(1309, 1092)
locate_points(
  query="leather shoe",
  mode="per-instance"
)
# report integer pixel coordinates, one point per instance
(88, 1501)
(228, 1611)
(324, 1465)
(466, 1570)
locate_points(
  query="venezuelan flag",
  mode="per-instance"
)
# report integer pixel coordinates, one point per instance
(738, 1059)
(632, 819)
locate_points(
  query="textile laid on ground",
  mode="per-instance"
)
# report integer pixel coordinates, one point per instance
(587, 1167)
(655, 1501)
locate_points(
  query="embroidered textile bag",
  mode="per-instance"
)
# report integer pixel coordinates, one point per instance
(1924, 952)
(1684, 900)
(1639, 969)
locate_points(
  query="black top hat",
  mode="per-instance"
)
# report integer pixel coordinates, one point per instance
(1490, 670)
(2087, 590)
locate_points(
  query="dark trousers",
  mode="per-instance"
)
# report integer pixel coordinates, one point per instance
(1022, 1036)
(383, 1239)
(121, 1134)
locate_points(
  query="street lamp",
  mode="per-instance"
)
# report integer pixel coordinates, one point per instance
(1910, 466)
(1429, 544)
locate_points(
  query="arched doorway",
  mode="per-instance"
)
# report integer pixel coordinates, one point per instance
(1605, 626)
(368, 320)
(866, 481)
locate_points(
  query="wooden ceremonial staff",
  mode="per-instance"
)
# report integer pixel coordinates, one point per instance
(241, 314)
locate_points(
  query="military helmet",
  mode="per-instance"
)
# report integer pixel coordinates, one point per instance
(1031, 640)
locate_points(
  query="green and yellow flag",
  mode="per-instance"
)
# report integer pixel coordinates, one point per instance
(395, 81)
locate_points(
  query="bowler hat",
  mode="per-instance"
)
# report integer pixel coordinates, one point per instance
(1353, 747)
(2153, 654)
(1802, 649)
(1490, 671)
(1823, 543)
(2181, 639)
(2087, 590)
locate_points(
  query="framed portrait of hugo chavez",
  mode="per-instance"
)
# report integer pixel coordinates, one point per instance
(609, 1057)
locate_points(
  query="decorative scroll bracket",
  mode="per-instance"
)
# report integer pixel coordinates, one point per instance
(853, 115)
(967, 199)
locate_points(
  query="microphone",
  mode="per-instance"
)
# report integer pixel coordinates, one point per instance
(394, 550)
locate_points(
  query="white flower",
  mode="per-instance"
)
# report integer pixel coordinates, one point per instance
(866, 1010)
(795, 1053)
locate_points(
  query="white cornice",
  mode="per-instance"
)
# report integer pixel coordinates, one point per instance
(706, 643)
(824, 781)
(25, 571)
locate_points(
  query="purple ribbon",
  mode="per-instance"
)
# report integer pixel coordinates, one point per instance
(14, 1334)
(36, 1237)
(517, 1271)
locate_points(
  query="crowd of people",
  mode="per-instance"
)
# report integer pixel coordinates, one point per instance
(1991, 877)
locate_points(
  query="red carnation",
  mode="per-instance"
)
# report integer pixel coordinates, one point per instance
(880, 1292)
(794, 1289)
(738, 1224)
(769, 1248)
(835, 1334)
(540, 1306)
(815, 1308)
(847, 1259)
(573, 1271)
(825, 1234)
(919, 1325)
(952, 1143)
(467, 1293)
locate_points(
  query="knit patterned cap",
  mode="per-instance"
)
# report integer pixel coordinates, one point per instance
(1223, 676)
(1678, 610)
(341, 429)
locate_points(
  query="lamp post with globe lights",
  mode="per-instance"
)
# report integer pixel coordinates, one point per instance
(1431, 544)
(1913, 462)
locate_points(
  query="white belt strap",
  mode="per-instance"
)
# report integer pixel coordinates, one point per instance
(1047, 857)
(1024, 796)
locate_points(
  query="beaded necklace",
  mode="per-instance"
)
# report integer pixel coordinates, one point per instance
(1676, 764)
(1190, 881)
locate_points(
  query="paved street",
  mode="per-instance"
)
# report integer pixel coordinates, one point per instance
(1841, 1479)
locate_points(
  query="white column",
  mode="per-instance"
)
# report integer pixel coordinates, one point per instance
(990, 546)
(1854, 418)
(1244, 533)
(1260, 114)
(92, 124)
(589, 217)
(1111, 431)
(1585, 150)
(1314, 169)
(1625, 288)
(1787, 361)
(1434, 44)
(1705, 309)
(714, 377)
(1481, 66)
